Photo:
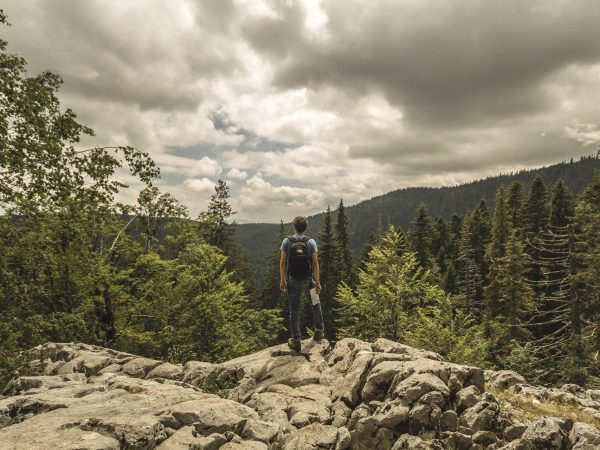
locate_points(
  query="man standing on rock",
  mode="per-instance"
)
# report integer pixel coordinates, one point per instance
(297, 263)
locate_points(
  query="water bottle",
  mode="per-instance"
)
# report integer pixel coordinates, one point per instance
(314, 297)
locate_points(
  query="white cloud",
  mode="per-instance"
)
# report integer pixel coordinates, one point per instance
(236, 173)
(586, 133)
(259, 194)
(205, 167)
(199, 184)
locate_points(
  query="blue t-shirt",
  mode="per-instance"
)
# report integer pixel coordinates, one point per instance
(311, 245)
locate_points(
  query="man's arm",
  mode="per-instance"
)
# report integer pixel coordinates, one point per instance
(282, 266)
(315, 271)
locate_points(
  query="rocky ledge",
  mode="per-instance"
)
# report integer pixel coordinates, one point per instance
(356, 395)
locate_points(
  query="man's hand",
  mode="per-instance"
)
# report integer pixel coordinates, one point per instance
(318, 288)
(283, 286)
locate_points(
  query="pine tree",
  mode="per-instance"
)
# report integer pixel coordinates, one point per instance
(342, 242)
(421, 236)
(270, 296)
(215, 225)
(440, 243)
(330, 275)
(471, 264)
(450, 278)
(561, 205)
(556, 319)
(535, 221)
(389, 290)
(496, 251)
(536, 211)
(515, 205)
(508, 296)
(482, 233)
(587, 217)
(217, 228)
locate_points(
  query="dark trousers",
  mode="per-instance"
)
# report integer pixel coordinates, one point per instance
(297, 289)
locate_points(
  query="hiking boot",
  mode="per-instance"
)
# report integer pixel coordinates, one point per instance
(295, 344)
(318, 335)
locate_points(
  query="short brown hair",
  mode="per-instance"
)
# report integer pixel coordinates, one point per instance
(300, 224)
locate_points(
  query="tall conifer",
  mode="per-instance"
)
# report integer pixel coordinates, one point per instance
(515, 205)
(507, 293)
(330, 275)
(421, 236)
(342, 238)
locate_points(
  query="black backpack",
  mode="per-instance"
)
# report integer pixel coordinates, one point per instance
(298, 257)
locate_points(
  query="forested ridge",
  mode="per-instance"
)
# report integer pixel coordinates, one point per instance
(510, 283)
(397, 207)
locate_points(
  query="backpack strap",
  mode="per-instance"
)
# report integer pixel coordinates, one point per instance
(295, 239)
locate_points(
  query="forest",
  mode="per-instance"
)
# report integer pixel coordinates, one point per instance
(397, 207)
(509, 285)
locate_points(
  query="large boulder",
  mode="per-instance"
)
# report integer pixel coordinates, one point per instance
(504, 379)
(317, 437)
(549, 433)
(584, 436)
(482, 416)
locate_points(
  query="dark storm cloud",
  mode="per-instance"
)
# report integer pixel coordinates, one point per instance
(445, 63)
(372, 95)
(120, 54)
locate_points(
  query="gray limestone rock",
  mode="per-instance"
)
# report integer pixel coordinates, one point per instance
(484, 438)
(166, 370)
(504, 379)
(467, 397)
(449, 421)
(312, 437)
(408, 442)
(549, 433)
(356, 395)
(584, 436)
(514, 431)
(140, 367)
(417, 385)
(481, 417)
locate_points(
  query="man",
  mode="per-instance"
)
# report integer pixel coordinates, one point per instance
(298, 262)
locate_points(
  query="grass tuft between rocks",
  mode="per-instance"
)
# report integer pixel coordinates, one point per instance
(523, 408)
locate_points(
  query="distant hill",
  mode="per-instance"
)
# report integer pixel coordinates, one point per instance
(398, 207)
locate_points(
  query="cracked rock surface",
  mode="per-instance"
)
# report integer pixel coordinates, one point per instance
(356, 395)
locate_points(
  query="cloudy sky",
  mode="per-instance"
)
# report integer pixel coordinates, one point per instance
(299, 103)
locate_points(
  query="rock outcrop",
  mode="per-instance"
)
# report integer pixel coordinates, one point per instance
(356, 395)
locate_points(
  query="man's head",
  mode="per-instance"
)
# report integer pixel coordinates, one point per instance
(300, 224)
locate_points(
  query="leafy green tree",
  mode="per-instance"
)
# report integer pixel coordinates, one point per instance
(59, 212)
(191, 308)
(39, 163)
(154, 210)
